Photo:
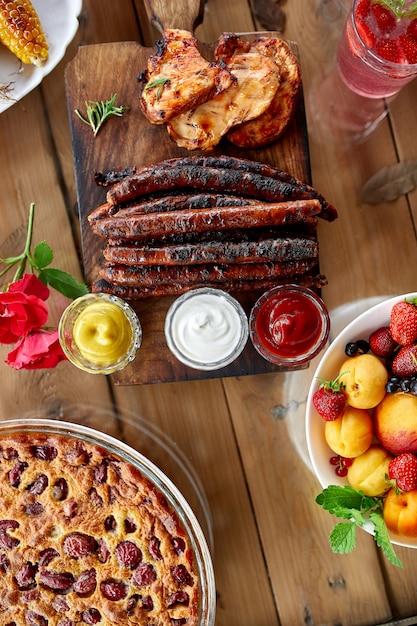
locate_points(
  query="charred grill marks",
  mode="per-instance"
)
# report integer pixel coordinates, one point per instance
(213, 251)
(138, 183)
(200, 220)
(211, 220)
(204, 273)
(207, 178)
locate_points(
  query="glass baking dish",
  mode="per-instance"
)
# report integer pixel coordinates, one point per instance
(176, 501)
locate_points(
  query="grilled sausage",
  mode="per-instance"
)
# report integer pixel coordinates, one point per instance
(200, 220)
(243, 165)
(213, 252)
(203, 273)
(170, 203)
(305, 229)
(208, 179)
(263, 169)
(175, 289)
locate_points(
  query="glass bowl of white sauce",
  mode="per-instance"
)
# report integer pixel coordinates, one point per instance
(206, 328)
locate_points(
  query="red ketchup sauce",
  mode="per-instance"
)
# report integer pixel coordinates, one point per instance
(290, 325)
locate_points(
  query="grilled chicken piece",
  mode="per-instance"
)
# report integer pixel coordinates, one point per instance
(178, 78)
(269, 126)
(203, 126)
(229, 44)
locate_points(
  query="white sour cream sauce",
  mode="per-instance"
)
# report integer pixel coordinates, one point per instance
(206, 329)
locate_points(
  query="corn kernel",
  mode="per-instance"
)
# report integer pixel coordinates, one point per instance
(22, 32)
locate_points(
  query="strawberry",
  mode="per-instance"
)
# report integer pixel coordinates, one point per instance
(365, 33)
(381, 342)
(405, 362)
(412, 28)
(330, 400)
(403, 322)
(402, 471)
(390, 50)
(385, 18)
(363, 9)
(409, 46)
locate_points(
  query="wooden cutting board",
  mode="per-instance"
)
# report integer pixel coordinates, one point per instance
(95, 74)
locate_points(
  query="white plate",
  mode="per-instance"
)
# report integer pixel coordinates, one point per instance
(60, 23)
(328, 368)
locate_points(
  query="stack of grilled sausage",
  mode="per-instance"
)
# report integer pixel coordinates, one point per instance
(215, 221)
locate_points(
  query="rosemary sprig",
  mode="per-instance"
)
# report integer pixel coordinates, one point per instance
(160, 84)
(99, 112)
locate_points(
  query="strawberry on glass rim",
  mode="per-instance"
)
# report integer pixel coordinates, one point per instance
(377, 54)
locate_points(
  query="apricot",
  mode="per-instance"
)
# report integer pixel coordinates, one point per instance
(351, 433)
(396, 422)
(368, 471)
(400, 512)
(364, 377)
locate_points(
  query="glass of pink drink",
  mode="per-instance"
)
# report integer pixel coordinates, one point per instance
(377, 54)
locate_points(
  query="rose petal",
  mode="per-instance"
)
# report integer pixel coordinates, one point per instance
(30, 285)
(20, 314)
(41, 349)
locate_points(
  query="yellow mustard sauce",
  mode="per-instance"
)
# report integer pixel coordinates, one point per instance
(102, 333)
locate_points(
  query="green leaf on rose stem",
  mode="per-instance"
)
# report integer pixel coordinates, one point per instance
(343, 537)
(382, 537)
(63, 282)
(42, 255)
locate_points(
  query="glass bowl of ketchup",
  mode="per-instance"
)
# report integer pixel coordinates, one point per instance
(289, 325)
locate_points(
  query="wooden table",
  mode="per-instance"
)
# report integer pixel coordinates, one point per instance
(244, 436)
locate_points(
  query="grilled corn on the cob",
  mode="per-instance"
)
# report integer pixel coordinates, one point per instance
(21, 31)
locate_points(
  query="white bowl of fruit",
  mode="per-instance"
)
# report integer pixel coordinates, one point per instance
(362, 433)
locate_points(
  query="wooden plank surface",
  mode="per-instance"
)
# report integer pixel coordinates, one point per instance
(30, 176)
(244, 436)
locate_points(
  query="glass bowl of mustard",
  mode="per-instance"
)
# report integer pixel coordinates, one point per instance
(100, 333)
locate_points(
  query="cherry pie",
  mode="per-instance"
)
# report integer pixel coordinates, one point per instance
(85, 538)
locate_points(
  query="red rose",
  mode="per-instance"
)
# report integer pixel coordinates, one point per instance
(22, 308)
(31, 286)
(40, 349)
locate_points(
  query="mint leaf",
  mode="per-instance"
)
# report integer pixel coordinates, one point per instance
(42, 255)
(63, 282)
(382, 537)
(352, 505)
(369, 503)
(343, 537)
(355, 515)
(336, 499)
